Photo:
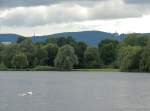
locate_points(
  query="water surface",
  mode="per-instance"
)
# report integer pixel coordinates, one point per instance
(75, 91)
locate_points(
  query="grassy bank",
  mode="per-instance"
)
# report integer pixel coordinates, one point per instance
(103, 70)
(54, 69)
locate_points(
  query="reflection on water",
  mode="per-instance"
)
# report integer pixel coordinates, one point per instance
(75, 91)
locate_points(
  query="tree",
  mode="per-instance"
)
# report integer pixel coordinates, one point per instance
(2, 47)
(61, 41)
(145, 58)
(29, 49)
(41, 55)
(52, 50)
(81, 48)
(20, 39)
(52, 40)
(108, 51)
(9, 52)
(71, 41)
(66, 58)
(129, 58)
(19, 61)
(91, 58)
(136, 39)
(35, 62)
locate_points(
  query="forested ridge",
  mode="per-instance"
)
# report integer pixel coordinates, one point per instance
(64, 53)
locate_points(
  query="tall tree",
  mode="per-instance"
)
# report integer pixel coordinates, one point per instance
(66, 58)
(52, 50)
(8, 53)
(81, 48)
(41, 55)
(145, 58)
(108, 50)
(129, 58)
(2, 47)
(19, 61)
(29, 49)
(91, 58)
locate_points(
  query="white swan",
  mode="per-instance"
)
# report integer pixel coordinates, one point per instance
(29, 93)
(26, 93)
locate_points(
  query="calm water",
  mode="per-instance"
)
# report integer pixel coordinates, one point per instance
(75, 91)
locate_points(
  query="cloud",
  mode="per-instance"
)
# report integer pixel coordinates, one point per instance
(67, 13)
(137, 1)
(50, 16)
(28, 3)
(115, 10)
(130, 25)
(35, 16)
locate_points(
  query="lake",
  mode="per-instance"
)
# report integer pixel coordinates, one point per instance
(75, 91)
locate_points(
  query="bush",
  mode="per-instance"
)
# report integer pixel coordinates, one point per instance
(3, 67)
(129, 58)
(44, 68)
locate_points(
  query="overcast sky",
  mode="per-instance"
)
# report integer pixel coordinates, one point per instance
(27, 17)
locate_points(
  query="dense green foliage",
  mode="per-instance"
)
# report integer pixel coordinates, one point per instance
(19, 61)
(91, 58)
(52, 50)
(145, 58)
(8, 53)
(66, 58)
(130, 58)
(108, 51)
(65, 53)
(80, 51)
(134, 53)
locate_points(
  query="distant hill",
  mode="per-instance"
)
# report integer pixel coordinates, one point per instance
(8, 37)
(91, 37)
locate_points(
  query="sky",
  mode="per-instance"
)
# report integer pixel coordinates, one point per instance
(42, 17)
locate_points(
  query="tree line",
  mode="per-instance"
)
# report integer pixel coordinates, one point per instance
(65, 53)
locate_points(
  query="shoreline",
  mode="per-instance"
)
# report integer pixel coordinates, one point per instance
(89, 70)
(73, 70)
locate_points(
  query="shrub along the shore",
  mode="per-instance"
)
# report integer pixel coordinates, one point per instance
(64, 53)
